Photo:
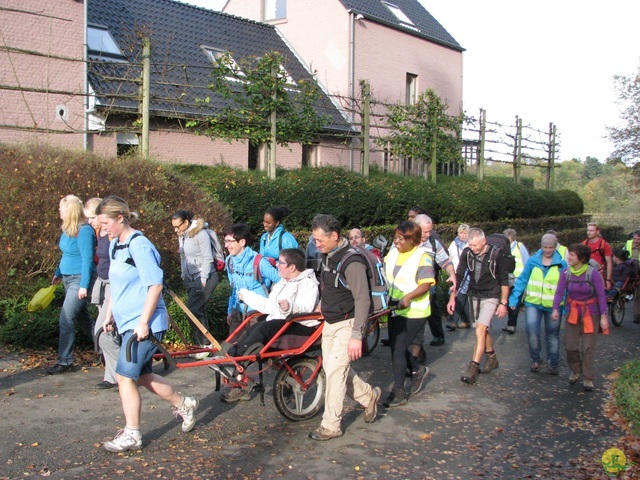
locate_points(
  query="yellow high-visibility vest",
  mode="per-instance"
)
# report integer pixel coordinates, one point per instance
(405, 282)
(542, 288)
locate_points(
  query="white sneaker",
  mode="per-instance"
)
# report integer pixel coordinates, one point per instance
(201, 355)
(187, 411)
(124, 440)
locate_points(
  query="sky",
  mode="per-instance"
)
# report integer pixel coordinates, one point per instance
(546, 61)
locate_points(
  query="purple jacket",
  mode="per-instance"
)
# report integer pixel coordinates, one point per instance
(579, 289)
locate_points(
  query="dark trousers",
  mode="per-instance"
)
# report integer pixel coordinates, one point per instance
(197, 298)
(435, 320)
(461, 312)
(513, 313)
(403, 334)
(262, 332)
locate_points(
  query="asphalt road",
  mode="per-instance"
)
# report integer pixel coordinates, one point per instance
(511, 424)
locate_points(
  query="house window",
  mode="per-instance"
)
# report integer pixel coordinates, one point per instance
(412, 88)
(399, 14)
(127, 144)
(310, 155)
(100, 42)
(275, 9)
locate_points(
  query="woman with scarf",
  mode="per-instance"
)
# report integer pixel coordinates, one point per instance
(586, 307)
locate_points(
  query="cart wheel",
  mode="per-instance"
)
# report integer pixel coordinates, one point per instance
(372, 337)
(292, 401)
(616, 311)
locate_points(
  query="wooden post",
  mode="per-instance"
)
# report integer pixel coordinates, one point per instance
(483, 130)
(517, 153)
(146, 75)
(552, 158)
(434, 151)
(271, 164)
(366, 123)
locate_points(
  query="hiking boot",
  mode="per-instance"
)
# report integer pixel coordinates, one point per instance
(417, 379)
(509, 329)
(187, 410)
(124, 440)
(573, 378)
(490, 363)
(396, 398)
(237, 394)
(587, 385)
(464, 325)
(321, 434)
(437, 341)
(534, 367)
(451, 326)
(553, 370)
(471, 374)
(636, 319)
(371, 410)
(59, 368)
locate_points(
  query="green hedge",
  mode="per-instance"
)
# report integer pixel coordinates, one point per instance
(380, 199)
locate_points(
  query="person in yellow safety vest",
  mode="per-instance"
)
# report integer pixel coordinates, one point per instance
(410, 275)
(539, 282)
(521, 254)
(633, 247)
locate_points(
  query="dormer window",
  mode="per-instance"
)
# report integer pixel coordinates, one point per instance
(100, 42)
(275, 10)
(216, 56)
(399, 14)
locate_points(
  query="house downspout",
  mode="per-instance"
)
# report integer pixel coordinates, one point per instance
(85, 69)
(352, 77)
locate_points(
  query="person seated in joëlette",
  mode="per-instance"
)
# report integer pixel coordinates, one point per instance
(296, 292)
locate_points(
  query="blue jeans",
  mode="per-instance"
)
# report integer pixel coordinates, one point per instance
(533, 318)
(74, 310)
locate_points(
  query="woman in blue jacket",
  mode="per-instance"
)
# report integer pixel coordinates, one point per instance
(275, 237)
(75, 272)
(539, 281)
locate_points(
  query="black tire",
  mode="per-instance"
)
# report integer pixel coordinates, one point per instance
(371, 338)
(291, 401)
(616, 311)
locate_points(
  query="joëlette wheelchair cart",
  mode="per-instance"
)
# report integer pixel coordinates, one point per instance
(299, 384)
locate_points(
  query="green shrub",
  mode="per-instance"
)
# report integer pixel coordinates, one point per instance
(627, 399)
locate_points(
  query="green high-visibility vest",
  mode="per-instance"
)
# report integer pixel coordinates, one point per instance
(405, 282)
(542, 288)
(517, 254)
(629, 248)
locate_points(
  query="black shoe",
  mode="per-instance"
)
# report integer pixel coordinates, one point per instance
(385, 342)
(396, 398)
(451, 326)
(58, 368)
(464, 325)
(509, 329)
(437, 341)
(106, 385)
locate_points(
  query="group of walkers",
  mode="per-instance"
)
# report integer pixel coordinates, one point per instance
(105, 260)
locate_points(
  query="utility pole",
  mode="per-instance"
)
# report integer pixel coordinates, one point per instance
(483, 130)
(146, 75)
(271, 165)
(552, 158)
(366, 123)
(517, 153)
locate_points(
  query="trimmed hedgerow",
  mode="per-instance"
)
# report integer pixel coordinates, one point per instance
(380, 199)
(33, 179)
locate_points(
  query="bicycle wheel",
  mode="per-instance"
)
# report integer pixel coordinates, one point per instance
(371, 338)
(616, 311)
(291, 399)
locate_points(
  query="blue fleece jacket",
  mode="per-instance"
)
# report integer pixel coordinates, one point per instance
(270, 244)
(240, 272)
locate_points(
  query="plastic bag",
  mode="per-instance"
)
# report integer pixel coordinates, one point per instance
(42, 298)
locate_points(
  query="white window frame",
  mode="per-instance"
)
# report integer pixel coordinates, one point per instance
(101, 42)
(214, 54)
(398, 13)
(411, 88)
(278, 9)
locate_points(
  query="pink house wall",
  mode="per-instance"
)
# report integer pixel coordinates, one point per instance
(45, 39)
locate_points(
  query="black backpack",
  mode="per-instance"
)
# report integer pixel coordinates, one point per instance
(499, 248)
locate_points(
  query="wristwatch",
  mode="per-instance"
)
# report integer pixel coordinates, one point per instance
(504, 304)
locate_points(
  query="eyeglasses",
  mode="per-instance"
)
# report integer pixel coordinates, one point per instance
(282, 263)
(178, 227)
(230, 240)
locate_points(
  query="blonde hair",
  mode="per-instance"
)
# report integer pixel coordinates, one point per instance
(114, 207)
(74, 217)
(90, 206)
